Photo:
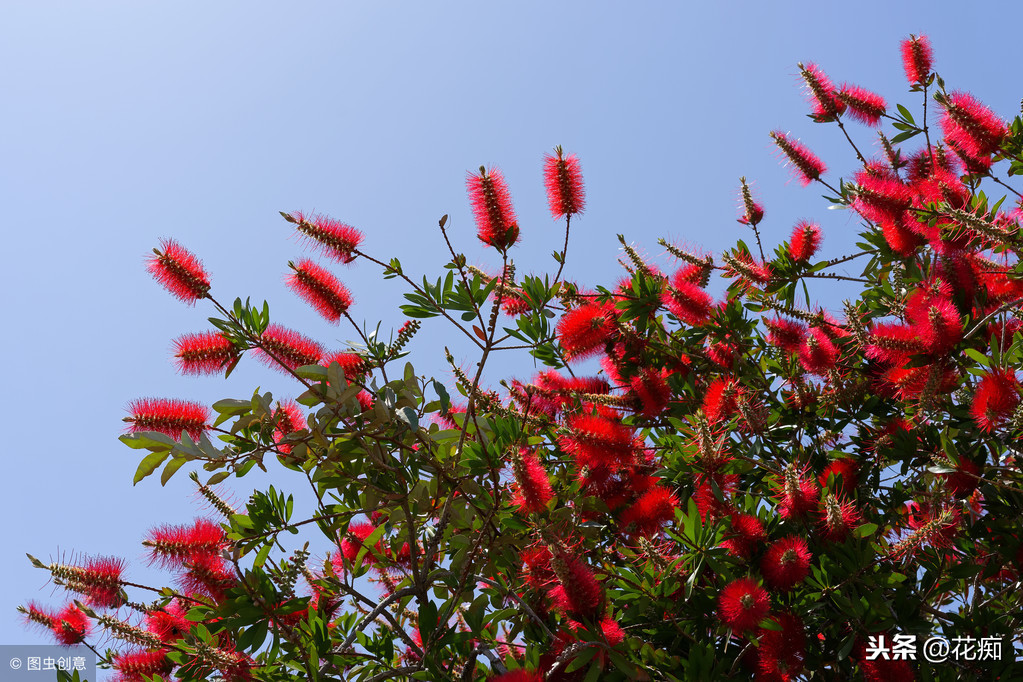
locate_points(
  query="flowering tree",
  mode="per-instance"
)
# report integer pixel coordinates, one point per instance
(749, 486)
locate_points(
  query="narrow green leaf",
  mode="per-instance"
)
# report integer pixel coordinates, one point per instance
(149, 464)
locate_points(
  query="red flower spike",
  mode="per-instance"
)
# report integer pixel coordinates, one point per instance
(964, 480)
(827, 107)
(320, 289)
(353, 542)
(650, 512)
(171, 417)
(337, 240)
(685, 299)
(782, 652)
(172, 545)
(651, 391)
(169, 623)
(533, 487)
(917, 59)
(584, 330)
(598, 442)
(798, 494)
(789, 335)
(289, 419)
(352, 364)
(743, 604)
(136, 666)
(818, 354)
(752, 212)
(971, 126)
(179, 271)
(747, 535)
(844, 472)
(204, 353)
(805, 240)
(862, 105)
(208, 575)
(995, 399)
(578, 592)
(564, 181)
(520, 675)
(496, 224)
(838, 518)
(786, 563)
(806, 165)
(71, 626)
(720, 401)
(283, 346)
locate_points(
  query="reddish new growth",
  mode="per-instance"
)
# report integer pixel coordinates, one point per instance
(496, 224)
(204, 353)
(337, 240)
(168, 416)
(564, 181)
(972, 127)
(685, 299)
(827, 106)
(320, 289)
(583, 331)
(532, 486)
(786, 562)
(283, 346)
(806, 165)
(917, 59)
(863, 105)
(743, 604)
(805, 240)
(650, 512)
(173, 545)
(179, 271)
(995, 399)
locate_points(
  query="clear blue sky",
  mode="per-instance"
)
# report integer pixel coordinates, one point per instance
(124, 122)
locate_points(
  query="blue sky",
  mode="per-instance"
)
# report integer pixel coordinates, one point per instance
(125, 122)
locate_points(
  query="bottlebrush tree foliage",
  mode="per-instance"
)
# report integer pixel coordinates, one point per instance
(749, 485)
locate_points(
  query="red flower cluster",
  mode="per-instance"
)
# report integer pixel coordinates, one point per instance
(743, 604)
(807, 166)
(284, 349)
(320, 289)
(564, 181)
(337, 240)
(168, 416)
(496, 224)
(917, 59)
(204, 353)
(179, 271)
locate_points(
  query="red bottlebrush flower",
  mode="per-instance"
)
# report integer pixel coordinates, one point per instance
(826, 105)
(520, 675)
(935, 319)
(337, 240)
(172, 545)
(653, 509)
(352, 364)
(838, 518)
(686, 300)
(806, 165)
(818, 354)
(892, 344)
(71, 626)
(743, 604)
(747, 535)
(612, 631)
(863, 105)
(353, 542)
(805, 240)
(204, 353)
(742, 265)
(995, 399)
(598, 442)
(209, 575)
(798, 494)
(584, 330)
(136, 666)
(320, 289)
(964, 480)
(496, 224)
(179, 271)
(720, 401)
(844, 471)
(169, 623)
(707, 502)
(98, 578)
(928, 527)
(533, 487)
(171, 417)
(971, 126)
(578, 592)
(752, 212)
(564, 181)
(782, 652)
(536, 565)
(651, 391)
(285, 347)
(786, 562)
(289, 419)
(880, 196)
(789, 335)
(917, 59)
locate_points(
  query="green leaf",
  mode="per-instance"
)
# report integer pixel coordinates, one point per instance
(148, 440)
(148, 465)
(865, 530)
(172, 466)
(264, 552)
(905, 113)
(409, 416)
(218, 477)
